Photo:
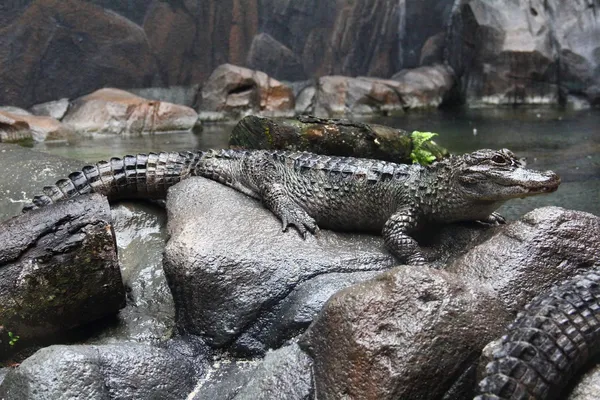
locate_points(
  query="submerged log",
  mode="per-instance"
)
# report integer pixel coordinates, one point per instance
(338, 137)
(58, 270)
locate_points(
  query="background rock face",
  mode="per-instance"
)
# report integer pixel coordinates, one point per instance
(521, 51)
(67, 48)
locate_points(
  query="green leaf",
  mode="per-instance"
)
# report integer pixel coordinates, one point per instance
(418, 154)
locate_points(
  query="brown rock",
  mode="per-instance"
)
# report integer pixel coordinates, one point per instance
(117, 111)
(67, 48)
(269, 55)
(405, 334)
(236, 90)
(17, 126)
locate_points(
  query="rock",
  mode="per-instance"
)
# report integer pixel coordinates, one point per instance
(55, 109)
(183, 95)
(392, 337)
(588, 386)
(58, 269)
(575, 26)
(275, 59)
(432, 52)
(337, 38)
(238, 91)
(284, 374)
(190, 39)
(424, 87)
(244, 267)
(546, 246)
(343, 138)
(149, 314)
(25, 173)
(119, 112)
(57, 48)
(341, 96)
(15, 127)
(123, 371)
(15, 111)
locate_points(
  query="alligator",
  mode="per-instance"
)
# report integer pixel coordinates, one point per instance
(556, 335)
(309, 191)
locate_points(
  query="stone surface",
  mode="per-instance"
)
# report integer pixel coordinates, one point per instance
(55, 109)
(525, 52)
(18, 126)
(395, 335)
(116, 111)
(424, 87)
(184, 95)
(275, 59)
(283, 374)
(392, 336)
(240, 91)
(546, 246)
(66, 48)
(149, 313)
(588, 386)
(123, 371)
(231, 249)
(58, 269)
(341, 96)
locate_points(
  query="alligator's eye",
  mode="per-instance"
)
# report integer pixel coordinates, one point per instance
(498, 159)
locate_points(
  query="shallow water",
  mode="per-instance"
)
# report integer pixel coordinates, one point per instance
(566, 142)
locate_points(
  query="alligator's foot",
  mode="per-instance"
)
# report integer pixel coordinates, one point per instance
(298, 218)
(276, 199)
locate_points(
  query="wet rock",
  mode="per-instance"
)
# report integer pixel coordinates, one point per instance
(149, 314)
(230, 249)
(58, 269)
(588, 386)
(546, 246)
(119, 112)
(392, 337)
(424, 87)
(124, 371)
(24, 173)
(57, 48)
(237, 91)
(341, 96)
(432, 51)
(284, 373)
(55, 109)
(275, 59)
(18, 125)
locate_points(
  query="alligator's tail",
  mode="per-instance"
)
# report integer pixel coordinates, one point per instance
(147, 176)
(556, 335)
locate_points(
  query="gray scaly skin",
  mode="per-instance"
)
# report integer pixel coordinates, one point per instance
(554, 337)
(308, 190)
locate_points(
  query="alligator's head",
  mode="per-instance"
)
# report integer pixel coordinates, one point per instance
(497, 176)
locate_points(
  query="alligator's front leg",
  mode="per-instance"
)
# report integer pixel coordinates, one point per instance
(277, 200)
(396, 235)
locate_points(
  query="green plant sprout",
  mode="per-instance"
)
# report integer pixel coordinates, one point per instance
(13, 339)
(419, 154)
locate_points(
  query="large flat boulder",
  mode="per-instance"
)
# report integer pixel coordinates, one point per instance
(116, 111)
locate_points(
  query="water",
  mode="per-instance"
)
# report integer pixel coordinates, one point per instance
(565, 142)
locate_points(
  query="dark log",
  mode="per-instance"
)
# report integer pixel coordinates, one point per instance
(338, 137)
(58, 270)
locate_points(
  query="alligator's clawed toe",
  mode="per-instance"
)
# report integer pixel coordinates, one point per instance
(301, 221)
